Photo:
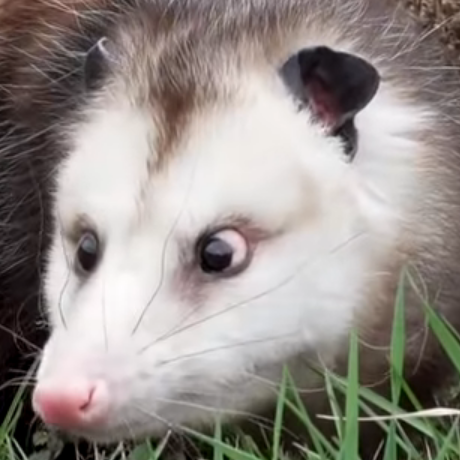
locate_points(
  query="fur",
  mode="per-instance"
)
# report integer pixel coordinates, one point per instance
(192, 129)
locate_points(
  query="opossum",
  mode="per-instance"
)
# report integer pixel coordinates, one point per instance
(223, 189)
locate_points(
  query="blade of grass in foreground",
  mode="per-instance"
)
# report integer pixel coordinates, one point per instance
(335, 406)
(376, 400)
(349, 448)
(9, 423)
(227, 450)
(396, 364)
(320, 442)
(279, 417)
(398, 343)
(441, 329)
(146, 451)
(448, 443)
(444, 336)
(218, 454)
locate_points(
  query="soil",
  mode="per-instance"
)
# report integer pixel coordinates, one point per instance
(443, 15)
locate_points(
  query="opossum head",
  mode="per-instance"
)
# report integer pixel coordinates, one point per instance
(212, 223)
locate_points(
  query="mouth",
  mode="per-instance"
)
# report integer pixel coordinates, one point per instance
(115, 434)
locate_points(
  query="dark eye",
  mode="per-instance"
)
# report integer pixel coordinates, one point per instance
(88, 253)
(95, 65)
(225, 251)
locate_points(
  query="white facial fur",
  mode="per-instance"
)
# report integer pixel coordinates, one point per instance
(260, 160)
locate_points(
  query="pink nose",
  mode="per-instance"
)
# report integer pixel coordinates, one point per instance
(71, 404)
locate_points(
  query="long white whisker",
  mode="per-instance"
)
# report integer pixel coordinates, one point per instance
(282, 337)
(284, 282)
(164, 249)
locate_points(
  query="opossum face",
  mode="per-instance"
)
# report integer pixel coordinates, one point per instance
(200, 246)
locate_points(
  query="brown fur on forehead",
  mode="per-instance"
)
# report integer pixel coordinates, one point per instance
(179, 69)
(171, 74)
(182, 59)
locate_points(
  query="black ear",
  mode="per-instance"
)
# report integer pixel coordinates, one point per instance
(334, 85)
(96, 64)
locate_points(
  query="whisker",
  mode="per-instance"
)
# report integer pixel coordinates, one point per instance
(249, 417)
(67, 280)
(306, 264)
(216, 410)
(155, 416)
(275, 384)
(19, 337)
(319, 389)
(18, 384)
(21, 373)
(127, 425)
(164, 249)
(25, 381)
(227, 347)
(104, 319)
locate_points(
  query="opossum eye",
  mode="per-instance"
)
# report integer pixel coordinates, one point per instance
(223, 252)
(88, 252)
(96, 63)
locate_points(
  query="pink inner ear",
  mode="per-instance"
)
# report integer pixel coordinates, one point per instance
(323, 104)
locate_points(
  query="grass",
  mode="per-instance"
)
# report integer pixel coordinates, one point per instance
(439, 429)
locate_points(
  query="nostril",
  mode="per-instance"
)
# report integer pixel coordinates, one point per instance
(71, 404)
(87, 404)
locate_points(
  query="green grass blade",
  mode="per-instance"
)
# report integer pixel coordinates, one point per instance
(335, 406)
(218, 453)
(391, 444)
(319, 441)
(448, 444)
(227, 450)
(349, 447)
(449, 343)
(279, 417)
(398, 342)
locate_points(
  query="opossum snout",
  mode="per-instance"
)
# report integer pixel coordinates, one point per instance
(70, 403)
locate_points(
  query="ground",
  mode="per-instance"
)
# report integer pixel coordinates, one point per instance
(442, 14)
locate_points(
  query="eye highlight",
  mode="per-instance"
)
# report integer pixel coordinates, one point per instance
(225, 252)
(88, 253)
